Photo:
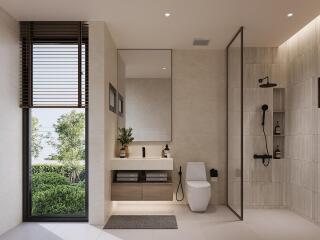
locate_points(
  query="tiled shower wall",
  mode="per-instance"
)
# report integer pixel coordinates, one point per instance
(263, 186)
(302, 121)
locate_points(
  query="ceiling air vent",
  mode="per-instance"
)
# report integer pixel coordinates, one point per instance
(200, 42)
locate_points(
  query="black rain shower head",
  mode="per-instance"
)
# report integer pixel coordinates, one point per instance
(266, 85)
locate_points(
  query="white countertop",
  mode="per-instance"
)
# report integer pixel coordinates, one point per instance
(139, 163)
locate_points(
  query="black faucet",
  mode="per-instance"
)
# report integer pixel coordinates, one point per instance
(143, 152)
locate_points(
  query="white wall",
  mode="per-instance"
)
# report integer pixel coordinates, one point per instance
(198, 115)
(110, 55)
(102, 122)
(10, 125)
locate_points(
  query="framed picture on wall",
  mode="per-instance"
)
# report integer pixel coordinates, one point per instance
(120, 105)
(112, 98)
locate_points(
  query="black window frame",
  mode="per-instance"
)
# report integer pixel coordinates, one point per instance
(27, 106)
(27, 191)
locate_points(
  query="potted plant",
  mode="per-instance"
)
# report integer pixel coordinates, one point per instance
(125, 138)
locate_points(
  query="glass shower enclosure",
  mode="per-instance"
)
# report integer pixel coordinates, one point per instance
(234, 54)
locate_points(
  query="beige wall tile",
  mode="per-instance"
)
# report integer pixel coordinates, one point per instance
(302, 120)
(262, 184)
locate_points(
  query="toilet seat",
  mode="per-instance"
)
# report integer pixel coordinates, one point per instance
(198, 184)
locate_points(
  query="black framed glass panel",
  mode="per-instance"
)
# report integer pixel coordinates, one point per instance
(235, 124)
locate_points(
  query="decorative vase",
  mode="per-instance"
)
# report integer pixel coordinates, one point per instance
(123, 152)
(126, 147)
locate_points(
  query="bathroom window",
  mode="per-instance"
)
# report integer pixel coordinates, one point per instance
(55, 101)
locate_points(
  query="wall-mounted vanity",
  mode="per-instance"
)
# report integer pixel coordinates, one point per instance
(145, 105)
(142, 189)
(136, 163)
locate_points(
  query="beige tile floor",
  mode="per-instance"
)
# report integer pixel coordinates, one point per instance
(216, 224)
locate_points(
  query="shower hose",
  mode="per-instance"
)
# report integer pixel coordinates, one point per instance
(180, 186)
(265, 162)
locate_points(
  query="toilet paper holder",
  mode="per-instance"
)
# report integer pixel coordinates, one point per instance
(214, 175)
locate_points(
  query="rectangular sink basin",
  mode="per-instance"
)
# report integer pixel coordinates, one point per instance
(136, 163)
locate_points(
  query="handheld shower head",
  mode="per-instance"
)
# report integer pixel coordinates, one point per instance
(264, 108)
(266, 85)
(265, 161)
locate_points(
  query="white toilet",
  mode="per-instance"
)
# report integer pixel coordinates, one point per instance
(198, 189)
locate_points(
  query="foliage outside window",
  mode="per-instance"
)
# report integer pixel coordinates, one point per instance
(58, 185)
(36, 138)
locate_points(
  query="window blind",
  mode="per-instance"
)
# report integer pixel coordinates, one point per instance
(54, 64)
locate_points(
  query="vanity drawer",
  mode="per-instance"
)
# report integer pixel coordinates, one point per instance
(126, 192)
(157, 192)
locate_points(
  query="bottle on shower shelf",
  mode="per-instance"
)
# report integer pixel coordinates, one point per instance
(277, 153)
(277, 129)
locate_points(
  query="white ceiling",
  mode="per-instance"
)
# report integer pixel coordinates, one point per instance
(146, 63)
(141, 23)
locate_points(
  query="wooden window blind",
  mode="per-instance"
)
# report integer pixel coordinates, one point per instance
(54, 64)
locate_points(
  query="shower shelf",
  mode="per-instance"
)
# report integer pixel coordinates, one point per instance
(279, 118)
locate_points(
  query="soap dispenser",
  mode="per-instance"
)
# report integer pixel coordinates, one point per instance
(143, 152)
(166, 152)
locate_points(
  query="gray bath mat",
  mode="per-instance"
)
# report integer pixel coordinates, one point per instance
(142, 222)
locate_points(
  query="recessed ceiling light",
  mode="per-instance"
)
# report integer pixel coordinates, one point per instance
(164, 68)
(167, 14)
(289, 14)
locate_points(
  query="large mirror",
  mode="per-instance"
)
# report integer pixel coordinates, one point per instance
(145, 93)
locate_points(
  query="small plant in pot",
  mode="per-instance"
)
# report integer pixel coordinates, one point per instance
(125, 138)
